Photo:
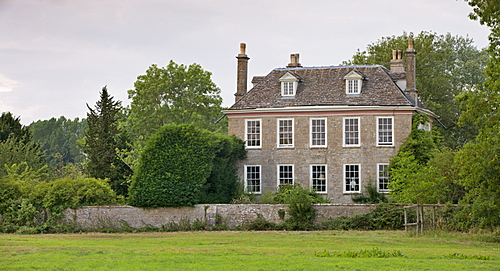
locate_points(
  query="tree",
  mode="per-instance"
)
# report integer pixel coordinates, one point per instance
(16, 145)
(102, 142)
(11, 126)
(446, 66)
(479, 159)
(177, 162)
(58, 139)
(174, 94)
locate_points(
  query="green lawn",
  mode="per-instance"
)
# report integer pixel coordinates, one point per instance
(246, 251)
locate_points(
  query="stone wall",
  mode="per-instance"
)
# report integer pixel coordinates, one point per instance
(334, 156)
(232, 214)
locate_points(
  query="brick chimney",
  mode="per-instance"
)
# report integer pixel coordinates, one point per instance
(411, 87)
(242, 73)
(294, 61)
(397, 63)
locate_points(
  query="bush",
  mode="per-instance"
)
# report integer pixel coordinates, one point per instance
(176, 164)
(385, 216)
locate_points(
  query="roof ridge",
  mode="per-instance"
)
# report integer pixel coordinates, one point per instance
(330, 67)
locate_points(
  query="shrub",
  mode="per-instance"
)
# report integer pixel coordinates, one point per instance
(370, 195)
(182, 165)
(384, 216)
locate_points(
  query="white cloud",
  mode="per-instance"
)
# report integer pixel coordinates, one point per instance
(7, 84)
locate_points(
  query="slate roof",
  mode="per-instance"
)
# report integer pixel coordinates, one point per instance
(325, 86)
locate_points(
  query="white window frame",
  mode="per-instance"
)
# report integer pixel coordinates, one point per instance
(353, 86)
(279, 133)
(345, 178)
(312, 132)
(344, 132)
(279, 172)
(383, 176)
(388, 143)
(247, 140)
(314, 178)
(288, 88)
(258, 179)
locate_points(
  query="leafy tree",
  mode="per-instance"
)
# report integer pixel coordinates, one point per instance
(58, 139)
(480, 166)
(175, 166)
(446, 66)
(13, 151)
(174, 94)
(11, 126)
(102, 142)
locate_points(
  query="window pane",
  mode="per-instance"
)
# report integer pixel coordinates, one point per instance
(285, 133)
(318, 132)
(383, 177)
(385, 131)
(285, 174)
(253, 133)
(253, 179)
(318, 178)
(352, 178)
(351, 131)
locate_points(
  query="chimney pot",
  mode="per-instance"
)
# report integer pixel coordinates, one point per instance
(294, 61)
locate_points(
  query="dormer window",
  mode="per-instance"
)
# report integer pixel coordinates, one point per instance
(353, 82)
(289, 84)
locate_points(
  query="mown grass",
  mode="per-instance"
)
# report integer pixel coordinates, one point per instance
(249, 251)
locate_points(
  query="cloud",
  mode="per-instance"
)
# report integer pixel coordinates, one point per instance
(7, 84)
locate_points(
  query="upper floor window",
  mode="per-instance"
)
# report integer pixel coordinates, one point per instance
(351, 132)
(318, 178)
(383, 177)
(353, 82)
(253, 133)
(352, 180)
(253, 179)
(285, 133)
(285, 174)
(385, 131)
(353, 86)
(289, 84)
(318, 132)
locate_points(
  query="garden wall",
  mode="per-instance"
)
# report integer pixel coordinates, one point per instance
(231, 214)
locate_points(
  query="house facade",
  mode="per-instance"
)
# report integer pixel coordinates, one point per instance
(333, 129)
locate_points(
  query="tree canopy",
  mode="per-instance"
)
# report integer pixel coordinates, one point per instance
(446, 66)
(173, 94)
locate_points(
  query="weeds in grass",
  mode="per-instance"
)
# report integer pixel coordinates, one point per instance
(466, 257)
(364, 253)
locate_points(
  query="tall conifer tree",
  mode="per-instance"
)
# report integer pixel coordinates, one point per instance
(102, 141)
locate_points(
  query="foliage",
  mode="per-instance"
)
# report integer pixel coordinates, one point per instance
(223, 185)
(102, 142)
(364, 253)
(13, 151)
(478, 160)
(369, 195)
(175, 94)
(176, 164)
(446, 66)
(300, 205)
(11, 126)
(384, 216)
(58, 139)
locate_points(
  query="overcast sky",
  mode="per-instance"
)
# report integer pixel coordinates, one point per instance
(56, 55)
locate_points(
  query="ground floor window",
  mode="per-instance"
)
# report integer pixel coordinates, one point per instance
(351, 178)
(285, 174)
(383, 177)
(318, 178)
(253, 179)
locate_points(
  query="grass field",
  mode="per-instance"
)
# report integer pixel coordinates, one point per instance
(249, 251)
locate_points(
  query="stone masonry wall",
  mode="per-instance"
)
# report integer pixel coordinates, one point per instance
(232, 214)
(335, 155)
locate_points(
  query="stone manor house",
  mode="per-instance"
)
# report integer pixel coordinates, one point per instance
(333, 129)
